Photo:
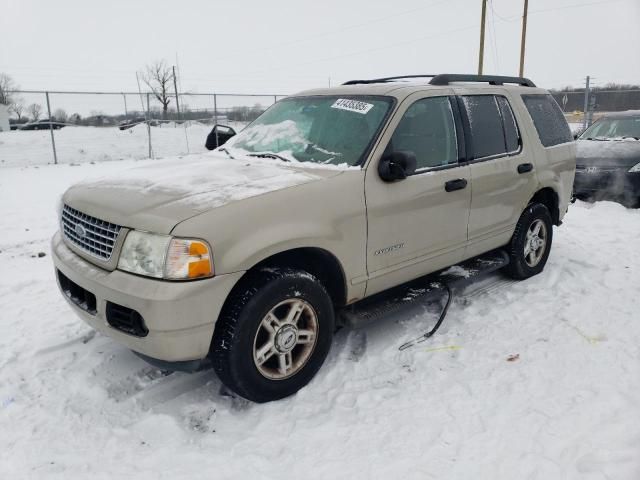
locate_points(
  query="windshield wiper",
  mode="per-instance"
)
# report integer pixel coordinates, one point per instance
(598, 139)
(268, 155)
(222, 149)
(630, 136)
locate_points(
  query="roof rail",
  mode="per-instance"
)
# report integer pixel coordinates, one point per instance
(447, 78)
(386, 79)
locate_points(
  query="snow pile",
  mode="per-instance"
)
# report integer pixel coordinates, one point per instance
(537, 379)
(269, 137)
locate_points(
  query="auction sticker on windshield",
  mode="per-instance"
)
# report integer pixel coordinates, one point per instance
(352, 105)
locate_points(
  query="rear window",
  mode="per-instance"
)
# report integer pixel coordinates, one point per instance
(548, 119)
(486, 125)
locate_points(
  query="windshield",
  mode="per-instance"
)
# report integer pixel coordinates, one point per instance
(613, 129)
(325, 129)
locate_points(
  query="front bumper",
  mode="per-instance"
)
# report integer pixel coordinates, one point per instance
(180, 316)
(610, 182)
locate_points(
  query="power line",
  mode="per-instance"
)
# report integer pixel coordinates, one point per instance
(512, 18)
(360, 52)
(326, 33)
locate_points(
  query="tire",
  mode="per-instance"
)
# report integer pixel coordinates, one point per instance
(252, 353)
(523, 265)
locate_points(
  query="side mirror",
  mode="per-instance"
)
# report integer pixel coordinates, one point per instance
(219, 136)
(397, 166)
(575, 136)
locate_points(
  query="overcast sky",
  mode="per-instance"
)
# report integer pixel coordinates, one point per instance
(284, 46)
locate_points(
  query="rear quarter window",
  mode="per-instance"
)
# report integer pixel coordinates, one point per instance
(548, 119)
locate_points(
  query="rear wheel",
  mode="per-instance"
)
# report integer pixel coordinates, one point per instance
(273, 334)
(531, 242)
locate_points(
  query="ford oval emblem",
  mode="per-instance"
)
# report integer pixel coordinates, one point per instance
(80, 231)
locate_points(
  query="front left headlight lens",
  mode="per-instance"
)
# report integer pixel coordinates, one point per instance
(635, 168)
(144, 253)
(162, 256)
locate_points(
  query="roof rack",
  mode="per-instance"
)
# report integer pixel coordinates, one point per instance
(385, 79)
(447, 78)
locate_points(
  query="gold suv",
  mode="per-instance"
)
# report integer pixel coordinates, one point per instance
(246, 256)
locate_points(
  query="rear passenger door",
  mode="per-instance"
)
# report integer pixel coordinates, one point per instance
(502, 169)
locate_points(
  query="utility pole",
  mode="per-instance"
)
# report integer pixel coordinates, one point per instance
(586, 104)
(175, 88)
(524, 36)
(482, 23)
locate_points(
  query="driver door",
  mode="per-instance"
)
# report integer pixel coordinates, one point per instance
(418, 225)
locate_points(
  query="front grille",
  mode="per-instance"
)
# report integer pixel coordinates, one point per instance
(92, 235)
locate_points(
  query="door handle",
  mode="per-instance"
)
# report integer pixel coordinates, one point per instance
(525, 167)
(457, 184)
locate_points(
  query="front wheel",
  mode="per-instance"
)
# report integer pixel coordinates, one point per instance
(273, 334)
(531, 242)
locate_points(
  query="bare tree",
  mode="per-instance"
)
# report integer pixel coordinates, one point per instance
(159, 77)
(6, 85)
(17, 108)
(34, 110)
(60, 115)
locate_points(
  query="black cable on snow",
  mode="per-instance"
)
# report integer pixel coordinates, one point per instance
(430, 333)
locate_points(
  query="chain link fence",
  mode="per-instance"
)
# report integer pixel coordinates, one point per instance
(78, 127)
(599, 102)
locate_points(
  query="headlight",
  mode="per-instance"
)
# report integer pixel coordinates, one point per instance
(635, 168)
(144, 253)
(161, 256)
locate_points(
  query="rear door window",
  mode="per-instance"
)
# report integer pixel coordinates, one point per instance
(548, 119)
(485, 122)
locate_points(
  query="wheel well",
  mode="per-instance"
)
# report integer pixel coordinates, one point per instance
(319, 263)
(549, 198)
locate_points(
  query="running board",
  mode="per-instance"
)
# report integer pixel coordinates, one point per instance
(415, 296)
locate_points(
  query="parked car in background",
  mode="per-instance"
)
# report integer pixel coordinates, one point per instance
(44, 124)
(132, 122)
(608, 159)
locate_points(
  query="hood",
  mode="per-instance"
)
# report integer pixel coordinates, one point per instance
(612, 153)
(157, 197)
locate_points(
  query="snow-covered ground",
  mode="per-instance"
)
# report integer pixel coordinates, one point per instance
(531, 380)
(97, 144)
